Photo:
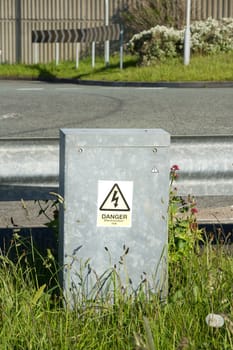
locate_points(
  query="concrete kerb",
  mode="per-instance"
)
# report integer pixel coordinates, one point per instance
(201, 84)
(159, 84)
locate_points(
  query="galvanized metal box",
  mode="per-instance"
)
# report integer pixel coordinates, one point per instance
(115, 185)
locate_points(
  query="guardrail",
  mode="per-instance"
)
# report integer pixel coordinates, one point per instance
(29, 167)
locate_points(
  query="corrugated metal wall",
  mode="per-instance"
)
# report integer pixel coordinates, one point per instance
(57, 14)
(7, 30)
(19, 17)
(202, 9)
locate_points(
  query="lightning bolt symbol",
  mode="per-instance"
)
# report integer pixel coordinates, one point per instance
(115, 199)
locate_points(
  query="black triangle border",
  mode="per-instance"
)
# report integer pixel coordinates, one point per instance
(118, 188)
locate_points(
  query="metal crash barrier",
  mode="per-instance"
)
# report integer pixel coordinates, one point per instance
(29, 167)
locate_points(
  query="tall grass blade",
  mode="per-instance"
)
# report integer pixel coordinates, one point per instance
(38, 294)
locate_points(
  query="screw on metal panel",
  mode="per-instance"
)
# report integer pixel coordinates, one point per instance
(155, 170)
(155, 150)
(80, 150)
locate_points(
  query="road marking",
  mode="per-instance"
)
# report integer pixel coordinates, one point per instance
(68, 88)
(9, 116)
(151, 88)
(29, 89)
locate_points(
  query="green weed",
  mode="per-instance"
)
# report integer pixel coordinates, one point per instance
(32, 319)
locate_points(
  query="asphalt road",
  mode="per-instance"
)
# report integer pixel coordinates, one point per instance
(41, 109)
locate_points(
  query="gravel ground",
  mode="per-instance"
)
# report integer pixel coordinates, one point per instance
(23, 214)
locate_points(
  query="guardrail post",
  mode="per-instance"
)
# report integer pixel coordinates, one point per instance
(57, 53)
(115, 186)
(93, 54)
(36, 53)
(77, 55)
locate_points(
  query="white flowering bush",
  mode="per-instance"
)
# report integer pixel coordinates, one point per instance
(157, 43)
(212, 36)
(160, 42)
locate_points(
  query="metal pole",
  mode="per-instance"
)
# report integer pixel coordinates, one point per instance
(107, 41)
(77, 55)
(121, 48)
(187, 34)
(57, 54)
(36, 53)
(93, 54)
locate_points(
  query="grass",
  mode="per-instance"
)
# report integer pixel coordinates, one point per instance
(201, 68)
(33, 317)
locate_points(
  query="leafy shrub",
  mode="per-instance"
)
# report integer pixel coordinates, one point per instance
(212, 36)
(157, 43)
(160, 42)
(148, 13)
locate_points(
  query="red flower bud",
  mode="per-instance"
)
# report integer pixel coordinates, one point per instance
(175, 167)
(194, 211)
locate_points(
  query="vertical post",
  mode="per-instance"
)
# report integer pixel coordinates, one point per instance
(18, 33)
(93, 54)
(36, 54)
(187, 34)
(107, 41)
(121, 47)
(57, 54)
(77, 55)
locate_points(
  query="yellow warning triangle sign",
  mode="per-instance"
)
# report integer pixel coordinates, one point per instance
(115, 201)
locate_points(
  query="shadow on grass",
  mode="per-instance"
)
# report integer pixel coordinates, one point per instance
(108, 69)
(35, 250)
(45, 73)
